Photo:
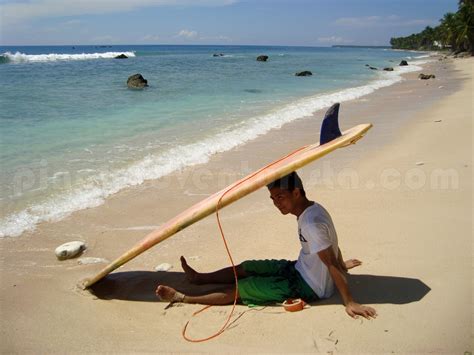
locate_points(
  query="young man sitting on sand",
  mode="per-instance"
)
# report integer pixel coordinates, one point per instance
(319, 267)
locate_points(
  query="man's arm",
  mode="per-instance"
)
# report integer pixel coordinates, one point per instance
(340, 260)
(336, 271)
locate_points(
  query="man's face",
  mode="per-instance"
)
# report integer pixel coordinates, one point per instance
(283, 199)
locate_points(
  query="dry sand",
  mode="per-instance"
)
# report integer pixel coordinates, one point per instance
(401, 200)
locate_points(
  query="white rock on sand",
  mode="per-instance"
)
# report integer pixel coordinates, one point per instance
(70, 250)
(164, 267)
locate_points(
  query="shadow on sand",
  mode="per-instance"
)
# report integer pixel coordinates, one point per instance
(366, 289)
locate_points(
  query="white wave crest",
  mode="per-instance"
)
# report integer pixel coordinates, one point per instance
(19, 57)
(155, 166)
(423, 56)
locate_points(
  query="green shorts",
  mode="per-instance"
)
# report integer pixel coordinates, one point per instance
(271, 281)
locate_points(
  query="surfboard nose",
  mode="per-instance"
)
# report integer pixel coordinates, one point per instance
(330, 126)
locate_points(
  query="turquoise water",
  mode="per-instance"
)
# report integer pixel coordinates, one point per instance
(72, 133)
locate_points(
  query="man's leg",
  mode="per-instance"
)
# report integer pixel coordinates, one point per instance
(223, 276)
(226, 296)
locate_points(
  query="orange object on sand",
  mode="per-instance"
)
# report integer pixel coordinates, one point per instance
(294, 305)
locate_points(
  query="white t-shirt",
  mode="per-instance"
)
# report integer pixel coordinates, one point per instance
(316, 232)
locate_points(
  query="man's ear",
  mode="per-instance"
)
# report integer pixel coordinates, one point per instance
(296, 193)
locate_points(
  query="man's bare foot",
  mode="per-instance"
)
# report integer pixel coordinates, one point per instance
(169, 294)
(351, 263)
(191, 275)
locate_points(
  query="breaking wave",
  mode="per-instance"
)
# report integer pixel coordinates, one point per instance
(19, 57)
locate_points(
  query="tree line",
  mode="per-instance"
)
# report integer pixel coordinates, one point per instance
(455, 32)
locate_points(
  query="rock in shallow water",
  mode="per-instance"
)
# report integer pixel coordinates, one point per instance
(304, 73)
(137, 81)
(262, 58)
(70, 250)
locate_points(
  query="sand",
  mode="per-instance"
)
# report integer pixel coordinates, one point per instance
(401, 200)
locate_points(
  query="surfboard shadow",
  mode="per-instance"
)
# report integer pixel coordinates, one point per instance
(367, 289)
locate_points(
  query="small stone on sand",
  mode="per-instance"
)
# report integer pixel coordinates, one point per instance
(420, 163)
(164, 267)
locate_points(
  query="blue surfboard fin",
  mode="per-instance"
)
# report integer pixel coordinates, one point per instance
(330, 127)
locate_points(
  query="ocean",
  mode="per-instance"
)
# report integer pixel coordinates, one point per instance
(72, 133)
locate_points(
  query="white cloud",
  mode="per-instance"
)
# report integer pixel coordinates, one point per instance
(25, 11)
(187, 34)
(382, 21)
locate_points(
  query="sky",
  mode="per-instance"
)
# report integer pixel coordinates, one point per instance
(221, 22)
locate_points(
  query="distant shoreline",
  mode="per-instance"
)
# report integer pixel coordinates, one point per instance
(354, 46)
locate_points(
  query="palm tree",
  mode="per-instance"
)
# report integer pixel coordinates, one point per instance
(449, 30)
(465, 26)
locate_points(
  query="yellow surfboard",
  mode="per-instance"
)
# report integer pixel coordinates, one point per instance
(331, 138)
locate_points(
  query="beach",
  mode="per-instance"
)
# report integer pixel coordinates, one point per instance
(401, 200)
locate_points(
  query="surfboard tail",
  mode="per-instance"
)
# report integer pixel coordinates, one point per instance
(330, 126)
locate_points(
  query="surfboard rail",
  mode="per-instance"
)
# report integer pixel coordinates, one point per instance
(226, 196)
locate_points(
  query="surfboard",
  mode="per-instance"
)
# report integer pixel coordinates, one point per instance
(331, 139)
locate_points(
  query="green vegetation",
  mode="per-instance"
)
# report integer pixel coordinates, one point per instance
(455, 32)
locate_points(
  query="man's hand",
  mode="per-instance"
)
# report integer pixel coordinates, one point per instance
(351, 263)
(355, 309)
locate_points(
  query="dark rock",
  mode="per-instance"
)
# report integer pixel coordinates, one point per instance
(121, 56)
(218, 55)
(304, 73)
(373, 68)
(137, 81)
(253, 91)
(426, 76)
(388, 69)
(403, 63)
(262, 58)
(367, 65)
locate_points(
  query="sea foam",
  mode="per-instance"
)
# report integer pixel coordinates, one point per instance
(101, 186)
(52, 57)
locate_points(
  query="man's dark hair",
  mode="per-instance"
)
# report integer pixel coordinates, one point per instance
(288, 182)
